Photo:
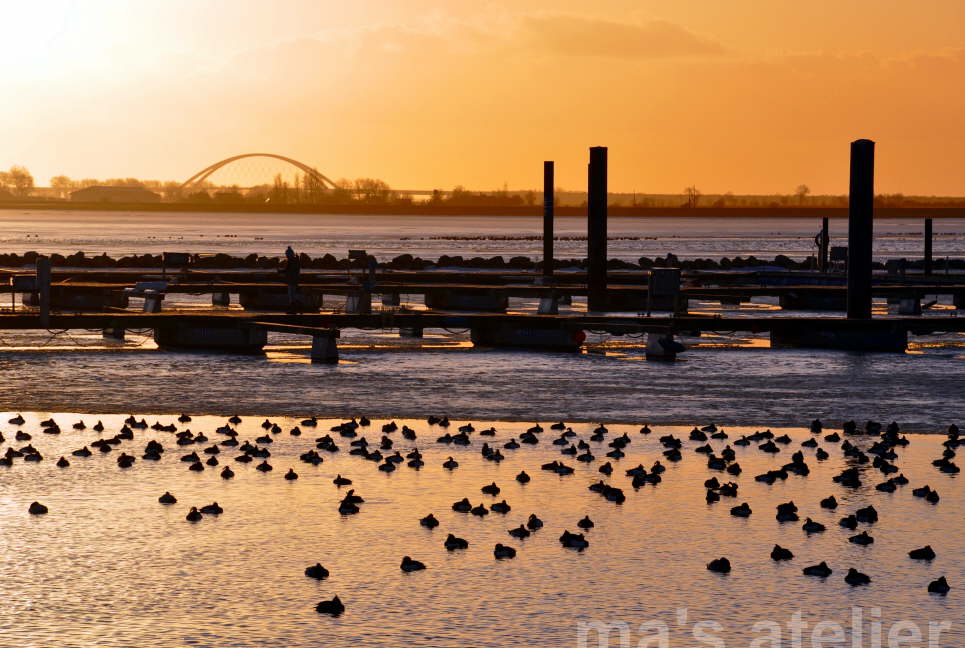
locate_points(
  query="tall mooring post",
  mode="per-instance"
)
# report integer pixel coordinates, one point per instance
(43, 290)
(928, 236)
(596, 230)
(860, 228)
(824, 244)
(548, 200)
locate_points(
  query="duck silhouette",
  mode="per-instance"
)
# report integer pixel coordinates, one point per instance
(810, 526)
(341, 481)
(939, 586)
(743, 510)
(861, 539)
(316, 571)
(409, 565)
(429, 521)
(585, 523)
(193, 515)
(820, 570)
(720, 565)
(501, 552)
(856, 578)
(462, 506)
(452, 543)
(167, 498)
(333, 607)
(520, 532)
(522, 477)
(534, 523)
(36, 508)
(227, 473)
(780, 553)
(491, 489)
(924, 553)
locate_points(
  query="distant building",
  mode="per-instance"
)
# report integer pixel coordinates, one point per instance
(115, 195)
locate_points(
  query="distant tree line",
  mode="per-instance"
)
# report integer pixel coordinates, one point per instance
(307, 189)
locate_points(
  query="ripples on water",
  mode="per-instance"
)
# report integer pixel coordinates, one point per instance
(109, 566)
(122, 233)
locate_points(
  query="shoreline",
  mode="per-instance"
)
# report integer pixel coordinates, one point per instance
(614, 211)
(378, 416)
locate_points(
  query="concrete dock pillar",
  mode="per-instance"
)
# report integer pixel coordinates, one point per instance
(662, 347)
(43, 290)
(152, 301)
(113, 333)
(824, 244)
(391, 299)
(325, 347)
(359, 302)
(928, 239)
(548, 305)
(596, 217)
(860, 228)
(909, 306)
(221, 298)
(410, 331)
(548, 203)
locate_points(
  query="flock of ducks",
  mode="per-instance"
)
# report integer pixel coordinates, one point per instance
(879, 453)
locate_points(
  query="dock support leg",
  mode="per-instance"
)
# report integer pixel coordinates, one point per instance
(596, 215)
(824, 243)
(221, 298)
(359, 302)
(909, 306)
(325, 348)
(43, 289)
(860, 228)
(410, 331)
(548, 305)
(662, 347)
(391, 299)
(114, 333)
(548, 200)
(928, 254)
(152, 301)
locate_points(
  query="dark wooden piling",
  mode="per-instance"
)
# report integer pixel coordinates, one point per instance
(596, 229)
(928, 254)
(824, 244)
(548, 200)
(860, 228)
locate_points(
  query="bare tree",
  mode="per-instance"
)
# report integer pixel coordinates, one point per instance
(692, 194)
(802, 192)
(21, 181)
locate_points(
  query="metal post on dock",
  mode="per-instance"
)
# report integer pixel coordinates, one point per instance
(824, 244)
(596, 229)
(548, 200)
(860, 228)
(928, 237)
(43, 290)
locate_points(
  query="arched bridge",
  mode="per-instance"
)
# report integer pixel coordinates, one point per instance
(203, 174)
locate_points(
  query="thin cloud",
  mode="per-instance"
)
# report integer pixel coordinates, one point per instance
(582, 36)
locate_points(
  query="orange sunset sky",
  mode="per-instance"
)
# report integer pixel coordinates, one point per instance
(745, 96)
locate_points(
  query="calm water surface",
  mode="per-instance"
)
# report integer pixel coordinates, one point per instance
(121, 233)
(109, 566)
